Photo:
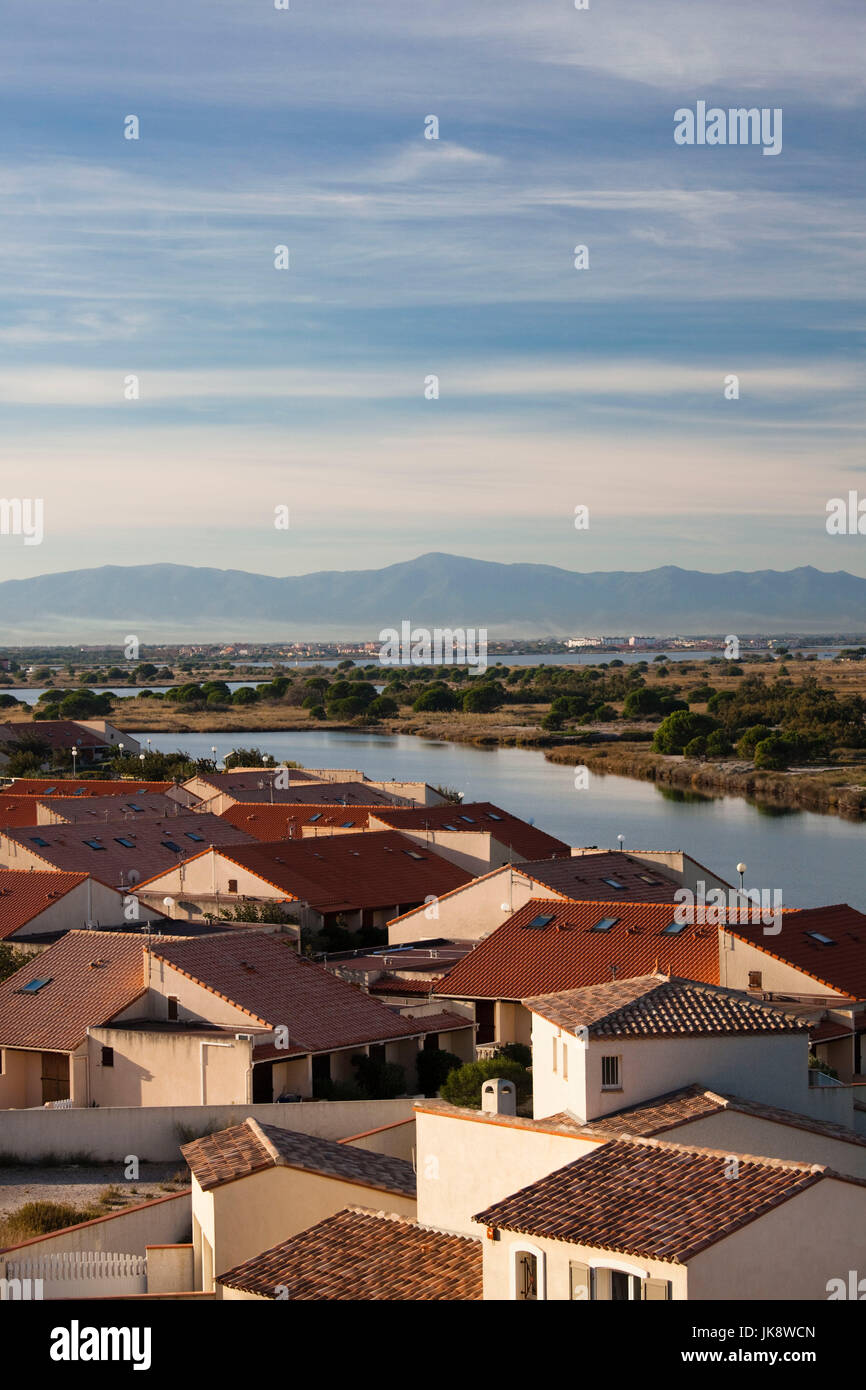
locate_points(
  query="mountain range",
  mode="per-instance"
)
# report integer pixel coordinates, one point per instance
(182, 602)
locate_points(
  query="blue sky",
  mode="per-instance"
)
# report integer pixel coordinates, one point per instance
(411, 257)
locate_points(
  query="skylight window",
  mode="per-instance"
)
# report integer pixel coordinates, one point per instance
(34, 986)
(674, 928)
(493, 815)
(412, 855)
(95, 844)
(79, 791)
(122, 840)
(347, 825)
(134, 806)
(191, 835)
(613, 883)
(48, 790)
(605, 924)
(317, 816)
(823, 940)
(468, 820)
(170, 844)
(540, 920)
(449, 827)
(38, 840)
(647, 878)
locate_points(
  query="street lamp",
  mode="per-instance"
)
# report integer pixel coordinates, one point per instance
(741, 869)
(74, 756)
(214, 752)
(621, 839)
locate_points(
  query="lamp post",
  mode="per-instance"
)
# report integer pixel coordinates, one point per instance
(74, 756)
(621, 840)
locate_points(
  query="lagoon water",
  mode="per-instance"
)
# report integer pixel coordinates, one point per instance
(813, 859)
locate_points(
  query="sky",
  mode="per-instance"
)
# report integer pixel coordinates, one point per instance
(308, 388)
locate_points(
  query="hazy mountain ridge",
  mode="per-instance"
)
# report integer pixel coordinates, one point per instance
(169, 602)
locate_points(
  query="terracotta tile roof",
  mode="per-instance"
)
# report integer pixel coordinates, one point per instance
(248, 779)
(18, 810)
(58, 733)
(136, 806)
(91, 976)
(246, 789)
(839, 962)
(393, 984)
(595, 876)
(680, 1107)
(268, 980)
(657, 1006)
(78, 787)
(524, 839)
(267, 822)
(250, 1147)
(652, 1199)
(149, 853)
(361, 1255)
(519, 960)
(341, 873)
(24, 893)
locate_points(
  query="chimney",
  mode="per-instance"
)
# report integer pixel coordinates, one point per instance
(498, 1097)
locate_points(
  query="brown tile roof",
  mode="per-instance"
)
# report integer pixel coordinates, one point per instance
(18, 810)
(361, 1255)
(595, 877)
(149, 853)
(839, 963)
(393, 984)
(519, 960)
(250, 1147)
(267, 822)
(24, 893)
(87, 810)
(656, 1006)
(78, 787)
(680, 1107)
(91, 977)
(248, 779)
(268, 980)
(245, 788)
(524, 839)
(58, 733)
(341, 873)
(652, 1199)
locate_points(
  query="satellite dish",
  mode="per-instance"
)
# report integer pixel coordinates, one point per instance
(133, 876)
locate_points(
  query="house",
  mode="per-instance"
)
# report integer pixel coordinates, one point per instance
(352, 880)
(61, 735)
(551, 945)
(477, 836)
(474, 910)
(403, 978)
(256, 1184)
(599, 1049)
(120, 1019)
(648, 1219)
(38, 906)
(220, 790)
(122, 850)
(359, 1254)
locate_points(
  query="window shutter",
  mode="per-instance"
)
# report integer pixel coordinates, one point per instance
(580, 1281)
(656, 1288)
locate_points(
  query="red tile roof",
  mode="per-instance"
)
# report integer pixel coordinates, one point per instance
(584, 877)
(839, 963)
(149, 852)
(251, 1147)
(58, 733)
(342, 873)
(259, 788)
(361, 1256)
(656, 1006)
(87, 810)
(480, 816)
(18, 810)
(518, 960)
(91, 977)
(655, 1200)
(267, 979)
(24, 893)
(267, 822)
(77, 787)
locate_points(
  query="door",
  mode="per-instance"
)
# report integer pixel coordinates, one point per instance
(485, 1017)
(55, 1076)
(263, 1083)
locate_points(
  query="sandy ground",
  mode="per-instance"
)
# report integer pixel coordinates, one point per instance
(81, 1185)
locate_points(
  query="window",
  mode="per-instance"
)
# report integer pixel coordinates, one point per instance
(412, 855)
(554, 1052)
(449, 827)
(605, 924)
(613, 883)
(108, 1056)
(38, 840)
(34, 986)
(565, 1061)
(233, 885)
(127, 844)
(540, 921)
(674, 928)
(170, 844)
(493, 815)
(527, 1273)
(95, 844)
(756, 979)
(610, 1079)
(172, 1006)
(191, 835)
(468, 820)
(822, 940)
(609, 1284)
(317, 816)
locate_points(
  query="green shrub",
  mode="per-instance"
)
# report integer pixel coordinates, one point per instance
(463, 1085)
(434, 1065)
